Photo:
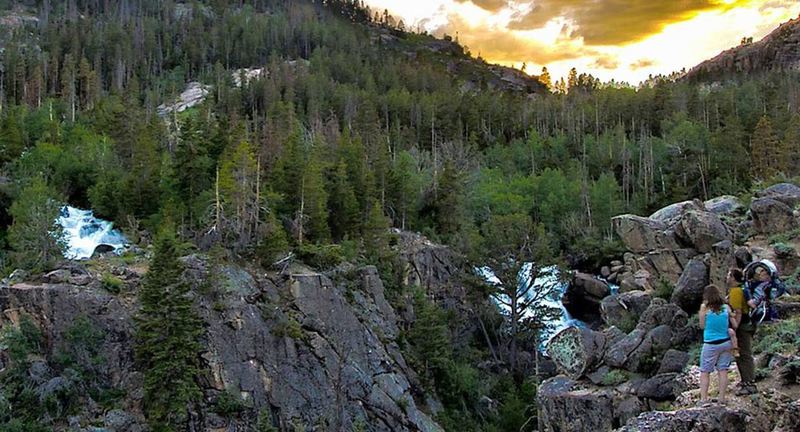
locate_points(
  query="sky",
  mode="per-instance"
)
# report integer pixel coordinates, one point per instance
(624, 40)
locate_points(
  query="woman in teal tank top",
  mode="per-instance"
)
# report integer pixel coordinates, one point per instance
(716, 354)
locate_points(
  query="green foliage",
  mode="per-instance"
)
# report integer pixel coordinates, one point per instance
(34, 235)
(229, 404)
(289, 327)
(615, 377)
(112, 283)
(320, 257)
(781, 337)
(264, 422)
(663, 289)
(167, 339)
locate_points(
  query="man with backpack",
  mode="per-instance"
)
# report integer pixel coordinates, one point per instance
(745, 330)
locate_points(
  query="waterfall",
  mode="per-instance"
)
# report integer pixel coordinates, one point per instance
(83, 233)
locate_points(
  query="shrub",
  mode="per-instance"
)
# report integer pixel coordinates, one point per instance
(264, 423)
(615, 377)
(663, 289)
(229, 404)
(320, 257)
(112, 283)
(288, 328)
(780, 337)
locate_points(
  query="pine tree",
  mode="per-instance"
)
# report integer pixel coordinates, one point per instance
(449, 207)
(239, 194)
(36, 238)
(791, 145)
(167, 340)
(314, 198)
(546, 79)
(344, 211)
(767, 159)
(376, 234)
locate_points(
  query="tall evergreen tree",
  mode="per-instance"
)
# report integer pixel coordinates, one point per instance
(167, 340)
(37, 240)
(767, 159)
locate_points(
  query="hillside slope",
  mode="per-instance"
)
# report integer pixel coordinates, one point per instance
(779, 50)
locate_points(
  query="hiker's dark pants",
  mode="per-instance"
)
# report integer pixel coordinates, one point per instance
(745, 364)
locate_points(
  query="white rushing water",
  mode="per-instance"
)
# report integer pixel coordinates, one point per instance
(551, 277)
(83, 233)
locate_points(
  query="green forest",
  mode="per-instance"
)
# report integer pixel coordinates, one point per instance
(353, 126)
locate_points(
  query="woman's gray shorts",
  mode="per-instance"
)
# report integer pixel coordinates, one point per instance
(716, 357)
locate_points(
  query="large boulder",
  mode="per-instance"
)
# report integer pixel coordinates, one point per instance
(666, 264)
(688, 292)
(672, 213)
(660, 312)
(771, 216)
(661, 387)
(641, 235)
(786, 193)
(640, 350)
(576, 350)
(702, 229)
(623, 310)
(722, 259)
(565, 406)
(724, 205)
(673, 361)
(714, 418)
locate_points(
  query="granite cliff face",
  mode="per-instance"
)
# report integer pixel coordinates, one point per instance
(306, 350)
(779, 50)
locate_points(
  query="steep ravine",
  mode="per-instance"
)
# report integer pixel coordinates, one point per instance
(313, 353)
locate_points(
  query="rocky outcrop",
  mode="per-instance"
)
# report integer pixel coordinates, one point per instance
(771, 216)
(304, 348)
(702, 229)
(641, 235)
(564, 406)
(776, 51)
(717, 418)
(688, 293)
(576, 350)
(623, 310)
(724, 205)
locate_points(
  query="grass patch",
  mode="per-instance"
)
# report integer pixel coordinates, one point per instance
(229, 404)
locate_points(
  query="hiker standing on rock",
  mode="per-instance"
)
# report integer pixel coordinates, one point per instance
(745, 330)
(716, 354)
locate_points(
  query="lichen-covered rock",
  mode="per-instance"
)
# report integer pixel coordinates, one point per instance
(771, 216)
(786, 193)
(673, 361)
(702, 229)
(641, 235)
(666, 265)
(715, 418)
(624, 310)
(661, 387)
(722, 258)
(724, 205)
(566, 407)
(688, 292)
(660, 312)
(672, 213)
(576, 350)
